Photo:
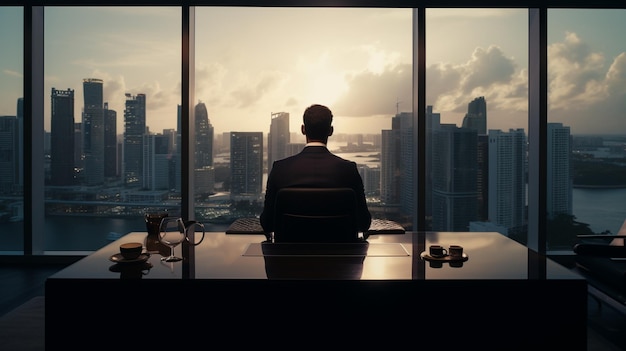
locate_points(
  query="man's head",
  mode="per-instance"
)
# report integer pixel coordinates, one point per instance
(317, 123)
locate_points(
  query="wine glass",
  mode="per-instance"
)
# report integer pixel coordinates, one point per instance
(172, 233)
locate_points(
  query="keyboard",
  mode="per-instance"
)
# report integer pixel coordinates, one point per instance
(253, 226)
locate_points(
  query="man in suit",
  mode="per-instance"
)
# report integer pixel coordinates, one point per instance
(315, 166)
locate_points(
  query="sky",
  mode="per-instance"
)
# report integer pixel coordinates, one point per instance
(252, 62)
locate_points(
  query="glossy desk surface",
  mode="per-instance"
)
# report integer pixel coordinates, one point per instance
(228, 292)
(491, 256)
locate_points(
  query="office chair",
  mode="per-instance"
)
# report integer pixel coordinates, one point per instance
(602, 260)
(315, 215)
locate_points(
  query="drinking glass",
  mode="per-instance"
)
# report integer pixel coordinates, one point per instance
(172, 233)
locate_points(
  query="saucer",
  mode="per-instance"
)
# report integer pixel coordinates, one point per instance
(447, 258)
(118, 258)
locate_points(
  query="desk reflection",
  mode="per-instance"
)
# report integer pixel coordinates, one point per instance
(314, 261)
(131, 271)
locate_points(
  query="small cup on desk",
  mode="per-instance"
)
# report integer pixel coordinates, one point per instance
(131, 251)
(455, 251)
(437, 251)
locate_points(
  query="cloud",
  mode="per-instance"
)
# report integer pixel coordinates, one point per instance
(488, 72)
(372, 93)
(12, 73)
(575, 73)
(251, 89)
(487, 68)
(583, 86)
(585, 92)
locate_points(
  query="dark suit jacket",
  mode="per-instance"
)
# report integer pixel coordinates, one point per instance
(314, 166)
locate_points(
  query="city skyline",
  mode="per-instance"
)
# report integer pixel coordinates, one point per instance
(365, 82)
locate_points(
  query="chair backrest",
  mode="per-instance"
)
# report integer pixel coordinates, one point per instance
(315, 215)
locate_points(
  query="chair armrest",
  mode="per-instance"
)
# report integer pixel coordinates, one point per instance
(602, 250)
(600, 236)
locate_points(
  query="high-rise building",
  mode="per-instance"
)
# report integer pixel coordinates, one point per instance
(407, 152)
(62, 137)
(93, 128)
(294, 148)
(9, 149)
(507, 178)
(482, 176)
(396, 171)
(134, 129)
(157, 163)
(20, 143)
(559, 182)
(110, 142)
(390, 167)
(476, 117)
(371, 179)
(278, 138)
(78, 146)
(433, 121)
(203, 153)
(246, 165)
(454, 178)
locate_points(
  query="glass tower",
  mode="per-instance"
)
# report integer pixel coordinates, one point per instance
(93, 128)
(62, 137)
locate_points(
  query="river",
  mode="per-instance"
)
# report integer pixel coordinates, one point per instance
(602, 209)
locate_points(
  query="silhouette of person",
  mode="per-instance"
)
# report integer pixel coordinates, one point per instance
(315, 166)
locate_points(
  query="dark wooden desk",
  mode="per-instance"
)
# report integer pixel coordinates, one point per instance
(388, 297)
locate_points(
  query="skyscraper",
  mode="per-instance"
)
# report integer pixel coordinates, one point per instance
(93, 129)
(157, 162)
(9, 149)
(396, 171)
(390, 167)
(433, 122)
(134, 129)
(246, 165)
(559, 192)
(62, 137)
(278, 138)
(20, 143)
(110, 142)
(476, 117)
(204, 138)
(407, 151)
(454, 178)
(507, 178)
(482, 176)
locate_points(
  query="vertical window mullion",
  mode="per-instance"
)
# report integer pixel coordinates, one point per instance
(34, 208)
(537, 124)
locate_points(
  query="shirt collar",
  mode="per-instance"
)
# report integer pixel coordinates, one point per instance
(315, 143)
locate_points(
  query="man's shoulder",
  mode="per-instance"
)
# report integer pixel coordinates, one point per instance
(339, 158)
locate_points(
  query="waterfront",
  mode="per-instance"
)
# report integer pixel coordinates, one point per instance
(602, 209)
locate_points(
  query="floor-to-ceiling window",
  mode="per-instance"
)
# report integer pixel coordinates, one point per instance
(257, 69)
(11, 129)
(111, 121)
(476, 120)
(253, 72)
(586, 140)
